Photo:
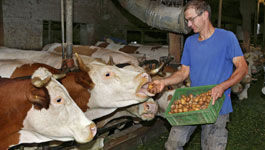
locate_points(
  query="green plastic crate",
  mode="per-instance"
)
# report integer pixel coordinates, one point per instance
(203, 116)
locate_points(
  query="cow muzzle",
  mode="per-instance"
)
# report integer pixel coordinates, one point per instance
(87, 134)
(142, 90)
(148, 110)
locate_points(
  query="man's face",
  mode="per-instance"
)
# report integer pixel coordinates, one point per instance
(194, 20)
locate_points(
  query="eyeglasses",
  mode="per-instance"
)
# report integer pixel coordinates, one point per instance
(192, 19)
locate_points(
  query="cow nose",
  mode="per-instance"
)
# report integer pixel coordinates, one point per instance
(146, 76)
(93, 130)
(150, 107)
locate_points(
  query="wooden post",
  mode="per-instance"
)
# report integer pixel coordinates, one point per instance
(175, 46)
(1, 25)
(263, 44)
(246, 24)
(220, 13)
(256, 24)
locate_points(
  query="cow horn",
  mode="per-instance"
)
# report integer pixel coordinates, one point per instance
(111, 62)
(36, 81)
(59, 76)
(81, 64)
(155, 71)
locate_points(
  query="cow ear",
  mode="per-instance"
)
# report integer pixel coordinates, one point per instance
(81, 64)
(111, 62)
(84, 79)
(39, 98)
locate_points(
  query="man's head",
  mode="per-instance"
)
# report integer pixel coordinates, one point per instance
(197, 13)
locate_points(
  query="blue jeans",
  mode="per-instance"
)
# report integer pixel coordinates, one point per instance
(213, 136)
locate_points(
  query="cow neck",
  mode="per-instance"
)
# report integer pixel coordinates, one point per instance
(14, 108)
(79, 85)
(28, 69)
(9, 141)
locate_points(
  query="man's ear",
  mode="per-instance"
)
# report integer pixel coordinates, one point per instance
(205, 15)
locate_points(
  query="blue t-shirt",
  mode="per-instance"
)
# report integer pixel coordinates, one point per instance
(211, 60)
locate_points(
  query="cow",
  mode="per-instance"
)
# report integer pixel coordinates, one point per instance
(254, 59)
(76, 84)
(142, 52)
(144, 111)
(95, 52)
(52, 59)
(39, 109)
(105, 87)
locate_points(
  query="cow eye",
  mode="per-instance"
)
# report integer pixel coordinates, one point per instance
(58, 100)
(107, 74)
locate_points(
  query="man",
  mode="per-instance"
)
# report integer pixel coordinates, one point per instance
(208, 58)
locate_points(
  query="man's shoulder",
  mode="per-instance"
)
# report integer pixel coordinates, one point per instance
(224, 32)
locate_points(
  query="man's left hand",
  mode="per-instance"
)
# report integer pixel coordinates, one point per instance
(217, 92)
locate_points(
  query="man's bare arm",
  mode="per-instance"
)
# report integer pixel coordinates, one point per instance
(239, 73)
(178, 76)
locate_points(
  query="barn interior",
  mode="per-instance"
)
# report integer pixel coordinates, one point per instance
(34, 24)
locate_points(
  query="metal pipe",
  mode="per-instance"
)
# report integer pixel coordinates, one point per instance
(69, 28)
(157, 15)
(62, 26)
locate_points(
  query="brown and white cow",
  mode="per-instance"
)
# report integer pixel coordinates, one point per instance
(118, 57)
(78, 85)
(105, 87)
(38, 110)
(52, 59)
(148, 52)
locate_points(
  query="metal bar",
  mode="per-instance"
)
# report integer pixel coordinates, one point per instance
(62, 26)
(69, 28)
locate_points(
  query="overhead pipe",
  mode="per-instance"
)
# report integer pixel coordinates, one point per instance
(157, 15)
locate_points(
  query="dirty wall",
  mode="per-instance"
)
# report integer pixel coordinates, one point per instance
(23, 21)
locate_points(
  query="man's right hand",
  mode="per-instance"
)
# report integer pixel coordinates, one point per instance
(158, 86)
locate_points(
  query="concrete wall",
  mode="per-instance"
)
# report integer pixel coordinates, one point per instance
(23, 21)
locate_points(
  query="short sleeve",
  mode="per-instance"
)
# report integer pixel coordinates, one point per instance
(234, 48)
(185, 59)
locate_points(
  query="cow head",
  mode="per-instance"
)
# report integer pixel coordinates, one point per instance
(62, 117)
(146, 110)
(115, 87)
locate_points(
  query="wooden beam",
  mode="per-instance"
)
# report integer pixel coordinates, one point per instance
(175, 46)
(135, 135)
(1, 25)
(220, 13)
(263, 44)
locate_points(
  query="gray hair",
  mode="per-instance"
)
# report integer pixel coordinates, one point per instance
(199, 5)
